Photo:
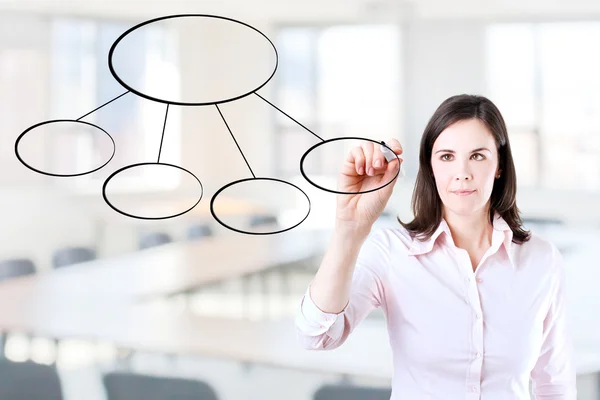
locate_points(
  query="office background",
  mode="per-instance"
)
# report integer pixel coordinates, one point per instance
(353, 68)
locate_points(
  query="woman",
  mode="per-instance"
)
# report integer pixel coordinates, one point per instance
(474, 304)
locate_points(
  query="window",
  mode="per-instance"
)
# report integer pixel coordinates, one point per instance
(544, 79)
(23, 55)
(81, 81)
(338, 81)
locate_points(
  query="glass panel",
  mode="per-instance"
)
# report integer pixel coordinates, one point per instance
(338, 81)
(510, 72)
(81, 81)
(544, 78)
(294, 79)
(358, 80)
(570, 124)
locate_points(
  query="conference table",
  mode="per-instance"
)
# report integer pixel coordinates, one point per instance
(139, 327)
(103, 301)
(144, 329)
(172, 268)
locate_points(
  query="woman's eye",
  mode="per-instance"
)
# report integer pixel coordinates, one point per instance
(479, 155)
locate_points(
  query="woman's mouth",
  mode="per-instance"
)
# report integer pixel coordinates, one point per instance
(463, 192)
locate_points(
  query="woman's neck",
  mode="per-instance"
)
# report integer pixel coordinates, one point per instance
(470, 232)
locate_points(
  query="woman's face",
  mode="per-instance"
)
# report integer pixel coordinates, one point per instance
(464, 157)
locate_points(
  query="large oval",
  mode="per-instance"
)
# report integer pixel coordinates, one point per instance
(212, 72)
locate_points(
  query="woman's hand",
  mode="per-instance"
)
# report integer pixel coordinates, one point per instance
(365, 168)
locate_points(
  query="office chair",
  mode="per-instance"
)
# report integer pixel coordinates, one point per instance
(132, 386)
(29, 381)
(72, 255)
(154, 239)
(262, 219)
(14, 267)
(197, 231)
(350, 392)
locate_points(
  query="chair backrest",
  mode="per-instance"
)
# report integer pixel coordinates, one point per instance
(153, 239)
(72, 255)
(16, 267)
(543, 221)
(29, 381)
(130, 386)
(349, 392)
(386, 214)
(197, 231)
(263, 219)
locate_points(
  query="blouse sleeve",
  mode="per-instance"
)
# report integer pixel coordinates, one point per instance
(318, 330)
(554, 375)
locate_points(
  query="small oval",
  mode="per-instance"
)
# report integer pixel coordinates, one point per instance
(71, 143)
(261, 221)
(151, 211)
(333, 154)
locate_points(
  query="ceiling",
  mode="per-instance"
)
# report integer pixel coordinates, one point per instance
(321, 10)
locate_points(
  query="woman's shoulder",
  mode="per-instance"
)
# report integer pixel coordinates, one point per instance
(537, 244)
(382, 245)
(391, 237)
(539, 250)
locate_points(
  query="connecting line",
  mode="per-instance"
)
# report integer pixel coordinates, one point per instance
(96, 109)
(163, 133)
(288, 116)
(236, 143)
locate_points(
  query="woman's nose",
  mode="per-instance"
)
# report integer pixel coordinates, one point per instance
(463, 172)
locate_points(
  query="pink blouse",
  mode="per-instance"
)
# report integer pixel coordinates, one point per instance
(455, 333)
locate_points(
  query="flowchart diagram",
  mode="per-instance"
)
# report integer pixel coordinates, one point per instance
(172, 102)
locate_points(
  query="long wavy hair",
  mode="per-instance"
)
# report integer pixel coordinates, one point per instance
(426, 203)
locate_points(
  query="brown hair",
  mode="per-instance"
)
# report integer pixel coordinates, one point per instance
(426, 203)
